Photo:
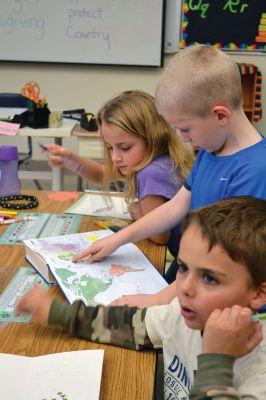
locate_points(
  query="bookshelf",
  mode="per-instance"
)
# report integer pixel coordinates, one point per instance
(248, 82)
(251, 86)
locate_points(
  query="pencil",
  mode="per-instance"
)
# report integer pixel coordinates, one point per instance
(103, 209)
(6, 216)
(44, 148)
(258, 317)
(9, 212)
(12, 221)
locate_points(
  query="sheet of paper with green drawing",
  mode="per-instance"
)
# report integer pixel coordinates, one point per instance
(73, 375)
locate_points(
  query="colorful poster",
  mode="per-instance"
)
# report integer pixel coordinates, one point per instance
(230, 25)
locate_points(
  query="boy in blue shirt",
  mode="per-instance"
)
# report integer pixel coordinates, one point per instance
(212, 348)
(199, 93)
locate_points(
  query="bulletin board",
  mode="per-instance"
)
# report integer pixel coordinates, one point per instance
(109, 32)
(227, 24)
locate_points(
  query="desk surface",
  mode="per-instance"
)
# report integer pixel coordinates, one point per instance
(81, 132)
(64, 130)
(126, 374)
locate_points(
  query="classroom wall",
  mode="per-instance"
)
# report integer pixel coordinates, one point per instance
(69, 86)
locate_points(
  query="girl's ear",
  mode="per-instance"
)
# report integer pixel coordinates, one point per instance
(259, 298)
(222, 113)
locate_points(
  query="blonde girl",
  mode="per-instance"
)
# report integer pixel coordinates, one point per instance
(140, 149)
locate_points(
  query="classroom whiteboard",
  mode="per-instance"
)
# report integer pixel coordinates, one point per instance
(119, 32)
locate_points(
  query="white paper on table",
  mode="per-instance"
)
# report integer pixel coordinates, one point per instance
(75, 374)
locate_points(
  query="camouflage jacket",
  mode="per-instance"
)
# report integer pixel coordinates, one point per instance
(125, 326)
(121, 326)
(214, 379)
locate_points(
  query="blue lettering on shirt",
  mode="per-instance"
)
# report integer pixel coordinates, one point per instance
(176, 381)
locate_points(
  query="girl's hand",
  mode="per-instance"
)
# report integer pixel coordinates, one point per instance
(98, 250)
(56, 155)
(37, 303)
(232, 332)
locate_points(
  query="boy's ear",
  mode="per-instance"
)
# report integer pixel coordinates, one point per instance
(222, 113)
(259, 298)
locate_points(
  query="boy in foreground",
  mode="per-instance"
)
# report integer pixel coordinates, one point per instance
(207, 329)
(199, 93)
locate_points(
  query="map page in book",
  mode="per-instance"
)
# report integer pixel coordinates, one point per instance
(126, 271)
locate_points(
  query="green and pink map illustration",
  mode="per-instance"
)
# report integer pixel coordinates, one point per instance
(126, 271)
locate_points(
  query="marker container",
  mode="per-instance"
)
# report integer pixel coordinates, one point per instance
(9, 181)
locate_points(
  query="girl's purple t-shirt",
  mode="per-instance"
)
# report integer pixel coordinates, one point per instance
(161, 178)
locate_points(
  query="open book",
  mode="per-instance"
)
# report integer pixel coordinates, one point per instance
(74, 375)
(98, 205)
(126, 271)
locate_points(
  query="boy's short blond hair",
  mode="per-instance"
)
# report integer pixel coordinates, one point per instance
(198, 78)
(238, 225)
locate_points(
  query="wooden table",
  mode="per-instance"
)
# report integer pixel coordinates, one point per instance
(127, 374)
